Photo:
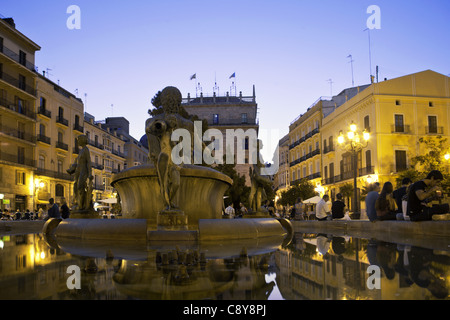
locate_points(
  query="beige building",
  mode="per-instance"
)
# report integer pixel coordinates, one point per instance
(107, 154)
(17, 118)
(396, 113)
(229, 113)
(281, 180)
(59, 123)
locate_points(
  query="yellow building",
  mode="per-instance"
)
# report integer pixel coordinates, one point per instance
(107, 154)
(396, 113)
(59, 123)
(17, 117)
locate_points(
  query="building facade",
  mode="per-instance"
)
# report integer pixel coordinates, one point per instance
(59, 123)
(17, 118)
(107, 154)
(230, 113)
(396, 113)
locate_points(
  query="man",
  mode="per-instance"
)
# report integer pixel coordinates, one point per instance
(421, 193)
(400, 192)
(322, 209)
(65, 212)
(370, 200)
(337, 208)
(229, 211)
(53, 212)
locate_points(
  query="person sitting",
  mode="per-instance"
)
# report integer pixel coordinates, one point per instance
(399, 193)
(322, 209)
(421, 193)
(370, 200)
(385, 203)
(337, 208)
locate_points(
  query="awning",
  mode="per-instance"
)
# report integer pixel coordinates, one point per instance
(313, 200)
(110, 200)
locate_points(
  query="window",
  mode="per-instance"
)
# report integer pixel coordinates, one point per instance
(59, 190)
(20, 177)
(60, 136)
(41, 130)
(1, 44)
(432, 124)
(331, 170)
(41, 162)
(397, 102)
(60, 166)
(244, 118)
(430, 104)
(400, 160)
(21, 155)
(22, 82)
(368, 159)
(367, 123)
(215, 119)
(22, 58)
(399, 125)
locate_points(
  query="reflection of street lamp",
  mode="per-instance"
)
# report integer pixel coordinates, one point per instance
(354, 142)
(447, 156)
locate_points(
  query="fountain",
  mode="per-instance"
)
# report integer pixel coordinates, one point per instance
(166, 201)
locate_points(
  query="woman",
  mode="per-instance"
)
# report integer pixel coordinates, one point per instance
(385, 203)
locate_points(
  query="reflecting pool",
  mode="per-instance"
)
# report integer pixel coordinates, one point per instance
(312, 266)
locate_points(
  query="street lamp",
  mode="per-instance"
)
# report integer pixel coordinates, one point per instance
(354, 141)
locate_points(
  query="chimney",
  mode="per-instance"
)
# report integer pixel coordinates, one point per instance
(10, 21)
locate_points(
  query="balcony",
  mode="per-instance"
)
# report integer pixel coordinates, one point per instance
(54, 174)
(62, 146)
(17, 159)
(16, 57)
(97, 166)
(44, 139)
(61, 120)
(17, 83)
(434, 130)
(402, 129)
(78, 128)
(96, 144)
(117, 153)
(16, 133)
(328, 149)
(366, 171)
(399, 167)
(18, 108)
(46, 113)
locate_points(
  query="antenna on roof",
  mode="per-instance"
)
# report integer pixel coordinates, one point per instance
(331, 86)
(351, 62)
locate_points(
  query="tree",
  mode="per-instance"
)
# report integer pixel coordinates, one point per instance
(302, 189)
(347, 191)
(238, 192)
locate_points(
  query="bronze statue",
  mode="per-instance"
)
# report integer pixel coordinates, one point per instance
(257, 192)
(159, 131)
(82, 188)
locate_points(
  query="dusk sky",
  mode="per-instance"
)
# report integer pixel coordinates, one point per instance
(126, 51)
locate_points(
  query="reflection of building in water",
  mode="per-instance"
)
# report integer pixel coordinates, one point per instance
(29, 269)
(332, 268)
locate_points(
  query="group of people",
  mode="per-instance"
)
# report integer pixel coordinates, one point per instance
(409, 202)
(54, 211)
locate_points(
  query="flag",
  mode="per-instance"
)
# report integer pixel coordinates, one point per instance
(194, 76)
(233, 75)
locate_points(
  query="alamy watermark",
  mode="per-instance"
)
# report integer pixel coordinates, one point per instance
(74, 280)
(74, 20)
(241, 147)
(374, 21)
(374, 278)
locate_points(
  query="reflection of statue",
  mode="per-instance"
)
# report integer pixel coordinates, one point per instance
(257, 192)
(82, 189)
(159, 131)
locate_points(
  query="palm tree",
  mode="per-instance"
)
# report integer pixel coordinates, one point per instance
(347, 192)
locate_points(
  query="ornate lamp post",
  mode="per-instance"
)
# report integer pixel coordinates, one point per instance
(354, 141)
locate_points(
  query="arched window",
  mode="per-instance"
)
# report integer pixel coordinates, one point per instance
(59, 190)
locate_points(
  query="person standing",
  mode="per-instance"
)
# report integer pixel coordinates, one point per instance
(371, 198)
(53, 212)
(337, 208)
(65, 212)
(422, 192)
(322, 209)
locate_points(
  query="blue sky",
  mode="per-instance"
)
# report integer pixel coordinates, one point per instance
(126, 51)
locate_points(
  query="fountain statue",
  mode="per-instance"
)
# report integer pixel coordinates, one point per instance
(169, 199)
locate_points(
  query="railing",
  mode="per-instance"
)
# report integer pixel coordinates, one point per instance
(96, 144)
(62, 146)
(54, 174)
(43, 138)
(304, 158)
(117, 153)
(16, 133)
(16, 57)
(44, 112)
(27, 112)
(400, 129)
(62, 121)
(328, 149)
(398, 168)
(302, 139)
(434, 130)
(17, 83)
(366, 170)
(17, 159)
(78, 128)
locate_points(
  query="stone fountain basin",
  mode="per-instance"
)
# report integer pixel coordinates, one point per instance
(200, 194)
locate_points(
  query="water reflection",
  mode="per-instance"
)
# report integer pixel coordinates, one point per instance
(312, 266)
